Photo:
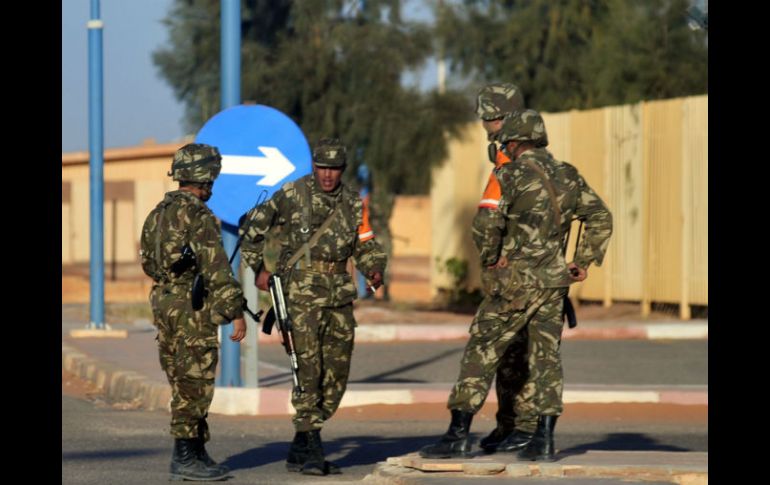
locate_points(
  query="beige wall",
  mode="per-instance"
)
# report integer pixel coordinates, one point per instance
(135, 180)
(455, 192)
(410, 225)
(147, 173)
(648, 161)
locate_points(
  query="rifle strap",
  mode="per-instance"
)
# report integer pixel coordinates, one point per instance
(551, 192)
(305, 248)
(307, 205)
(156, 255)
(577, 241)
(161, 275)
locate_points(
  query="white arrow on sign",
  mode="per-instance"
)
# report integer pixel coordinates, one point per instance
(274, 166)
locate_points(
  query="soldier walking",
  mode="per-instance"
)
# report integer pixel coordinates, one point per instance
(323, 223)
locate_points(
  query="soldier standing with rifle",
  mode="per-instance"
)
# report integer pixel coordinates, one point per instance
(324, 224)
(525, 280)
(516, 418)
(194, 291)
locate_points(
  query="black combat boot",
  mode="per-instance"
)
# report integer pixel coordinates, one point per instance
(515, 441)
(316, 464)
(297, 452)
(541, 447)
(455, 442)
(493, 439)
(200, 448)
(186, 466)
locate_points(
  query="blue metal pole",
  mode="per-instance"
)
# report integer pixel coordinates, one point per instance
(231, 96)
(231, 53)
(230, 375)
(96, 166)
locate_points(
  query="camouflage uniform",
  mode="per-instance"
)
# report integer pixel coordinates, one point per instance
(525, 279)
(528, 292)
(320, 291)
(514, 390)
(187, 339)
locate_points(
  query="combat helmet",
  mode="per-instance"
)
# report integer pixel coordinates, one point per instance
(525, 125)
(330, 152)
(497, 100)
(196, 162)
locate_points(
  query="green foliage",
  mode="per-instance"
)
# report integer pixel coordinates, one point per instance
(333, 67)
(578, 54)
(457, 269)
(458, 297)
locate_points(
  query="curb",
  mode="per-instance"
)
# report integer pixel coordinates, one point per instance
(683, 468)
(118, 385)
(122, 385)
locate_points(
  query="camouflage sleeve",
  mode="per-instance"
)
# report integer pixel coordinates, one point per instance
(225, 292)
(597, 218)
(367, 252)
(487, 231)
(369, 256)
(257, 223)
(488, 226)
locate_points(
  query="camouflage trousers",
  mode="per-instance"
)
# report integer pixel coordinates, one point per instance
(515, 390)
(189, 352)
(492, 333)
(323, 338)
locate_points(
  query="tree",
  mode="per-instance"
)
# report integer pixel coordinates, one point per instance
(335, 67)
(645, 50)
(578, 54)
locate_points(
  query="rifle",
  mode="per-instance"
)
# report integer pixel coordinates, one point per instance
(280, 314)
(568, 310)
(260, 200)
(185, 262)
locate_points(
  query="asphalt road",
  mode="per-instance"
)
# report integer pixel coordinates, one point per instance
(623, 362)
(102, 443)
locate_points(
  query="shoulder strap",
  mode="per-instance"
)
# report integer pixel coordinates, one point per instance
(305, 248)
(551, 191)
(307, 206)
(156, 255)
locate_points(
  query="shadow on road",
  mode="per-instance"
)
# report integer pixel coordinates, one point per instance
(622, 442)
(351, 451)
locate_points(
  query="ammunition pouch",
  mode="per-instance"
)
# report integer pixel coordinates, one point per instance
(506, 283)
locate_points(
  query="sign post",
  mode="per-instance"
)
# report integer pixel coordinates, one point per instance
(261, 149)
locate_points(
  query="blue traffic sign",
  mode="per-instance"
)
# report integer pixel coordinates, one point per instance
(261, 149)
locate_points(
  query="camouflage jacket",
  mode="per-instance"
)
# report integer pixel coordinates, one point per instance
(182, 218)
(348, 236)
(523, 228)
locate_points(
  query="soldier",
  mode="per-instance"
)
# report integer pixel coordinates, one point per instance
(181, 247)
(379, 204)
(319, 290)
(525, 280)
(516, 418)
